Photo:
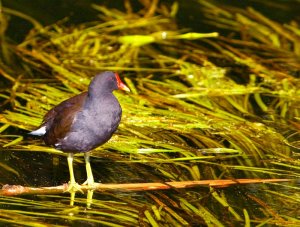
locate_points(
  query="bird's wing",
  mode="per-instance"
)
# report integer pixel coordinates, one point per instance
(59, 119)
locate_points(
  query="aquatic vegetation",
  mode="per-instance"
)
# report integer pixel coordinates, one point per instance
(217, 105)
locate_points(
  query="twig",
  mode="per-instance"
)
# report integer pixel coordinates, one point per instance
(12, 190)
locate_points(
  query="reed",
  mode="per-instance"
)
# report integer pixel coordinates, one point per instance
(204, 106)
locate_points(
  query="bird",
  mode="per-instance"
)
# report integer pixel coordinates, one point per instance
(84, 122)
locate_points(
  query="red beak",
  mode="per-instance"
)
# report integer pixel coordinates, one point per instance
(121, 85)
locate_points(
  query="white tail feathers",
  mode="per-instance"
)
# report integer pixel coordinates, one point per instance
(39, 132)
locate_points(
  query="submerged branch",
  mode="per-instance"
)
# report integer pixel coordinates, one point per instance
(12, 190)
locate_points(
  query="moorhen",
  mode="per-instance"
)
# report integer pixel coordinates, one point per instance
(84, 122)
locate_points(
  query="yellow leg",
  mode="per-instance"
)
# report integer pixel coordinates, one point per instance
(73, 186)
(90, 178)
(72, 198)
(71, 171)
(89, 198)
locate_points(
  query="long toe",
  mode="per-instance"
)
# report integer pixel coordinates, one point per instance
(74, 187)
(89, 182)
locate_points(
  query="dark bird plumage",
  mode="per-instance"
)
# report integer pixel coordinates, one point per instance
(85, 121)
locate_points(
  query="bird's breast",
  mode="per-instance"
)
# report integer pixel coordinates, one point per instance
(92, 127)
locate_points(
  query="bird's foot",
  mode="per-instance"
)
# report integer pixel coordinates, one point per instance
(90, 183)
(73, 187)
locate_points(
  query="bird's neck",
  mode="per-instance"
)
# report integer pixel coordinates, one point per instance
(100, 96)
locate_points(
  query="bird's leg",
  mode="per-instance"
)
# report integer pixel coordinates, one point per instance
(71, 171)
(73, 186)
(90, 178)
(89, 198)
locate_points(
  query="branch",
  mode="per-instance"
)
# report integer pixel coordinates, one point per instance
(12, 190)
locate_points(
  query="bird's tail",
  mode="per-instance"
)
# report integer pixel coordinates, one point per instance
(39, 132)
